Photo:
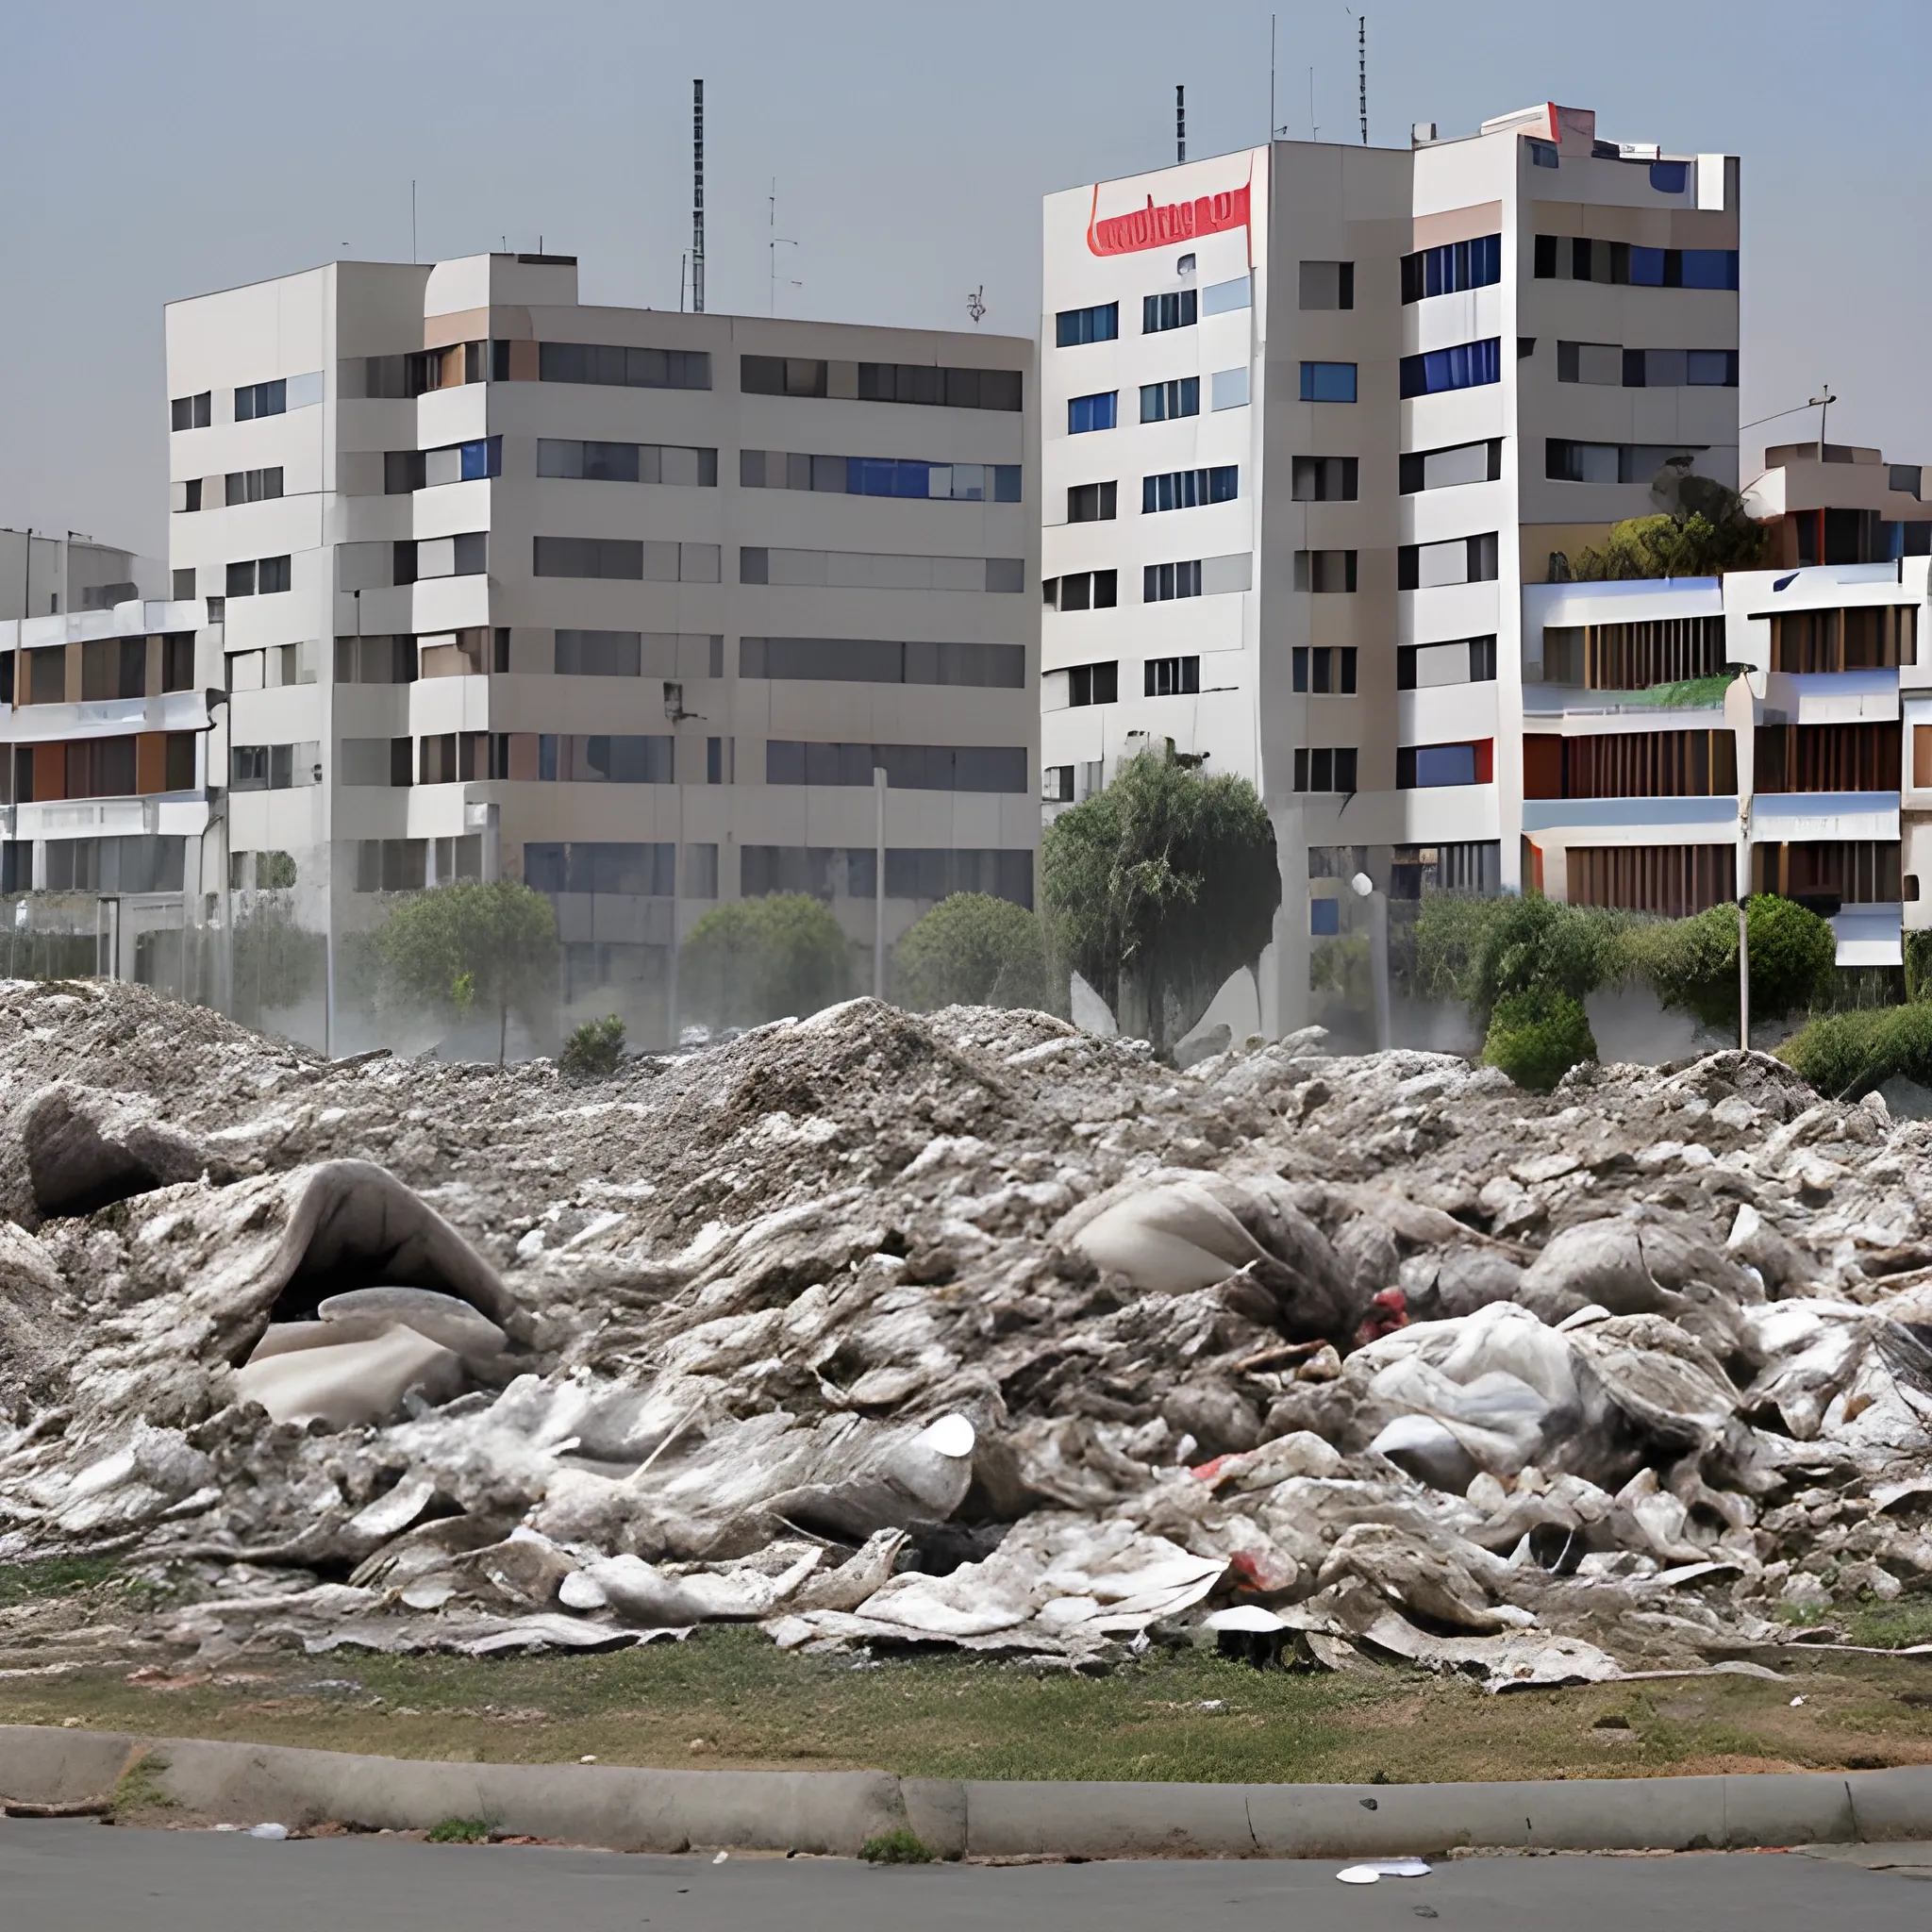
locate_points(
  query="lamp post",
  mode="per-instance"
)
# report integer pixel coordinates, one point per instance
(878, 883)
(1363, 886)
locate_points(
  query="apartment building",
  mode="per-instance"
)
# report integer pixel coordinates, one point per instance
(103, 761)
(626, 604)
(1311, 417)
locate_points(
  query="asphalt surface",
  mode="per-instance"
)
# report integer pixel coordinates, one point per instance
(81, 1877)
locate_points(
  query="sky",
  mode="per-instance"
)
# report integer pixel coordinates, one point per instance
(152, 152)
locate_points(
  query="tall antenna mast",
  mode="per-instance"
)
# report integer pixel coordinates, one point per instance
(1361, 68)
(697, 197)
(1180, 124)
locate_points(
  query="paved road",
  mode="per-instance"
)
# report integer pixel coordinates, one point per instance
(84, 1877)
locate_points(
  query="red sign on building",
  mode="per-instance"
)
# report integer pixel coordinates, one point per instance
(1158, 227)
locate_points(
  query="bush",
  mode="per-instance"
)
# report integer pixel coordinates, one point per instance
(1846, 1055)
(1537, 1036)
(900, 1847)
(459, 1831)
(472, 945)
(759, 959)
(594, 1049)
(1919, 965)
(1482, 951)
(1693, 963)
(973, 950)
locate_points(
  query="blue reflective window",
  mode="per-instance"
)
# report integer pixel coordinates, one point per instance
(1444, 764)
(1708, 268)
(1542, 154)
(1670, 177)
(1327, 382)
(1325, 917)
(1468, 365)
(482, 459)
(1451, 268)
(1091, 412)
(1101, 324)
(1005, 483)
(1647, 267)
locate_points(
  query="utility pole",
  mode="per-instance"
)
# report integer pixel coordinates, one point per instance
(774, 241)
(1821, 402)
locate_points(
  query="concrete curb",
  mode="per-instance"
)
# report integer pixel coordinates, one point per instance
(642, 1810)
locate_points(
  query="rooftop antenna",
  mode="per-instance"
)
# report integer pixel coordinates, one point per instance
(412, 221)
(1180, 124)
(683, 264)
(1314, 128)
(975, 305)
(1361, 65)
(697, 197)
(1821, 402)
(773, 245)
(1274, 125)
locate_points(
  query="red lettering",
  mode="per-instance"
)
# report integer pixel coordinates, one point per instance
(1178, 220)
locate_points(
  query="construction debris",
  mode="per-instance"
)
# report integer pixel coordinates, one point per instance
(968, 1331)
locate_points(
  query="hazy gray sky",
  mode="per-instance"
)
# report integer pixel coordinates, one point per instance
(153, 152)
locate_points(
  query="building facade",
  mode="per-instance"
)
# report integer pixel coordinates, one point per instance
(628, 605)
(1311, 417)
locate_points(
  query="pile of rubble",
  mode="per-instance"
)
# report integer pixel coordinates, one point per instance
(885, 1332)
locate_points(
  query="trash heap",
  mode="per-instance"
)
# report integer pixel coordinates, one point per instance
(890, 1332)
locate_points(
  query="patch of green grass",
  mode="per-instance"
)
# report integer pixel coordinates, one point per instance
(46, 1577)
(140, 1788)
(901, 1847)
(1892, 1625)
(459, 1831)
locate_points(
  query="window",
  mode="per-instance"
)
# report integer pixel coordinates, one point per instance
(1173, 677)
(1327, 285)
(182, 584)
(1670, 177)
(1228, 387)
(1189, 489)
(599, 759)
(1084, 590)
(627, 462)
(375, 660)
(598, 653)
(450, 758)
(1459, 561)
(1325, 918)
(1094, 684)
(1160, 402)
(950, 388)
(1325, 479)
(781, 376)
(1567, 461)
(1601, 364)
(191, 412)
(622, 368)
(1460, 462)
(1642, 764)
(251, 485)
(392, 865)
(907, 767)
(1100, 324)
(259, 577)
(178, 661)
(629, 871)
(1161, 583)
(377, 762)
(1325, 570)
(1327, 382)
(261, 399)
(1466, 661)
(1092, 503)
(865, 569)
(1325, 768)
(1179, 309)
(1468, 365)
(1225, 298)
(47, 676)
(113, 668)
(1324, 669)
(877, 661)
(588, 556)
(1419, 767)
(777, 469)
(189, 494)
(1542, 154)
(1680, 368)
(1673, 880)
(1085, 413)
(1581, 258)
(1451, 268)
(1056, 785)
(425, 557)
(276, 767)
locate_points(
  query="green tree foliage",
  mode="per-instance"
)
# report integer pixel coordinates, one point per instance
(973, 950)
(276, 961)
(593, 1050)
(1708, 541)
(757, 959)
(1537, 1036)
(1693, 963)
(1918, 951)
(1846, 1055)
(1165, 882)
(1482, 951)
(491, 945)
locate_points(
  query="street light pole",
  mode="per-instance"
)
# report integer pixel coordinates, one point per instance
(1364, 888)
(878, 883)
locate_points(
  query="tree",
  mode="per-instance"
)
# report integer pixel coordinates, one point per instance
(1693, 963)
(1165, 882)
(973, 950)
(1703, 531)
(1486, 951)
(275, 960)
(759, 959)
(491, 945)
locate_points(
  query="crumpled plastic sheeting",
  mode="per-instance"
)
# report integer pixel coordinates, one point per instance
(968, 1329)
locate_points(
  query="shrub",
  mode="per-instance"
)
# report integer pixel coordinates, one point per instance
(1919, 965)
(594, 1049)
(472, 943)
(899, 1847)
(459, 1831)
(973, 950)
(1482, 951)
(759, 959)
(1536, 1037)
(1846, 1055)
(1693, 963)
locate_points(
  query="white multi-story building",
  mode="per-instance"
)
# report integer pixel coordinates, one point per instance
(103, 761)
(630, 604)
(1311, 416)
